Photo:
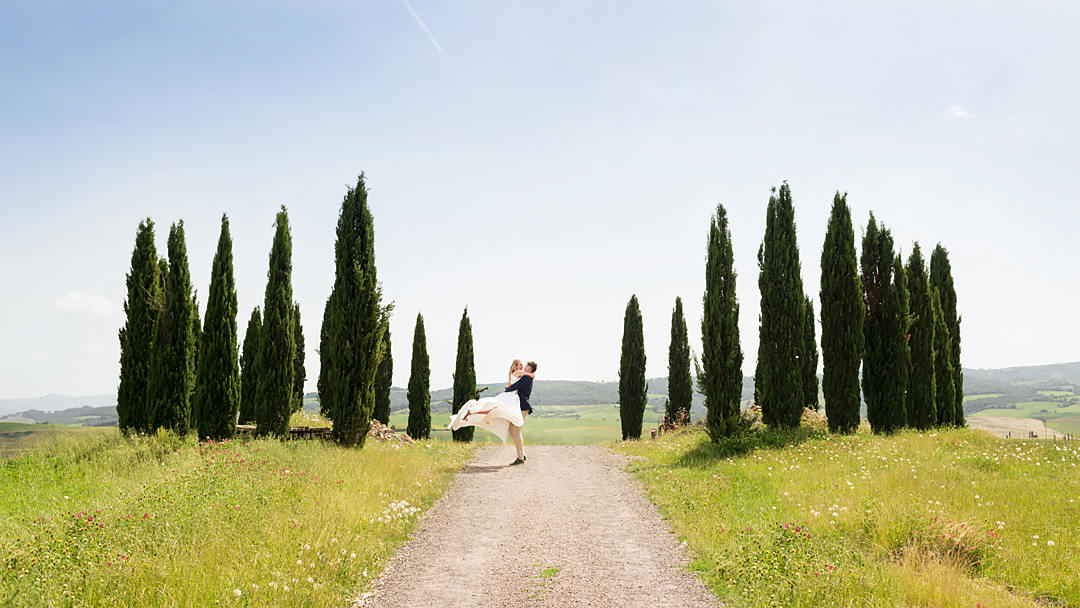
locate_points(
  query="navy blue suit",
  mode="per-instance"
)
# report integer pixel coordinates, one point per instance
(524, 390)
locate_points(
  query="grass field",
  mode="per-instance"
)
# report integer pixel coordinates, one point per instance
(1062, 415)
(18, 438)
(550, 425)
(96, 519)
(949, 518)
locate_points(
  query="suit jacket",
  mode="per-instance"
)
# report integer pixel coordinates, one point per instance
(524, 390)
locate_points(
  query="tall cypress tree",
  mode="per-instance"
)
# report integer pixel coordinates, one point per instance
(680, 386)
(945, 396)
(632, 387)
(276, 359)
(883, 356)
(922, 389)
(903, 296)
(782, 316)
(464, 374)
(353, 322)
(842, 315)
(249, 370)
(137, 334)
(419, 392)
(384, 379)
(299, 372)
(809, 357)
(941, 279)
(173, 360)
(217, 392)
(196, 339)
(720, 376)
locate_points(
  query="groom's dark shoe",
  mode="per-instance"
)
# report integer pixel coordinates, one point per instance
(518, 461)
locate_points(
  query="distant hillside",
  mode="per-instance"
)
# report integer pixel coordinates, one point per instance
(80, 416)
(54, 402)
(992, 388)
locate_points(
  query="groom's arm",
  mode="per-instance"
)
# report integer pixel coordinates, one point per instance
(517, 385)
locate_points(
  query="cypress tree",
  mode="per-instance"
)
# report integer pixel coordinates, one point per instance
(384, 379)
(249, 371)
(842, 315)
(419, 392)
(810, 357)
(720, 377)
(276, 358)
(941, 279)
(680, 387)
(632, 388)
(883, 357)
(782, 316)
(464, 375)
(945, 397)
(353, 322)
(137, 334)
(331, 320)
(903, 296)
(299, 372)
(196, 339)
(217, 392)
(922, 393)
(173, 360)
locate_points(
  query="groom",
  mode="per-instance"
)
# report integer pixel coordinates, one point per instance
(523, 387)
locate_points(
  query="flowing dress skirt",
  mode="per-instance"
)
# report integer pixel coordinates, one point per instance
(505, 410)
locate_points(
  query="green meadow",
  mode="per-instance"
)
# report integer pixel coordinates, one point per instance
(550, 425)
(952, 518)
(1061, 414)
(93, 518)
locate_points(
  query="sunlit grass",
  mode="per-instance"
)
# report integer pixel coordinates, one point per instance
(947, 518)
(103, 520)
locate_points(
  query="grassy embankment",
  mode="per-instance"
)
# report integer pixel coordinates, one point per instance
(947, 518)
(96, 519)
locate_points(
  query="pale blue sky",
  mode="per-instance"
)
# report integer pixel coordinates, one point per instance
(538, 162)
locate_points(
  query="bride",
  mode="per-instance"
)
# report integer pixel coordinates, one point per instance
(494, 414)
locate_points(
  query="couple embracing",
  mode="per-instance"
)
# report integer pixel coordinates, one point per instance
(505, 414)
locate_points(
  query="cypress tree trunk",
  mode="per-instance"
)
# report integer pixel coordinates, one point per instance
(941, 279)
(943, 372)
(299, 372)
(921, 394)
(680, 386)
(277, 347)
(249, 371)
(720, 377)
(384, 379)
(632, 388)
(884, 360)
(217, 393)
(464, 375)
(810, 357)
(842, 315)
(353, 322)
(782, 316)
(900, 283)
(419, 392)
(173, 361)
(137, 334)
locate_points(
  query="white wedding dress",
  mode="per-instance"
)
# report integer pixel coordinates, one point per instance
(505, 410)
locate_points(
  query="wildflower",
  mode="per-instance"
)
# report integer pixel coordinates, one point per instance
(237, 592)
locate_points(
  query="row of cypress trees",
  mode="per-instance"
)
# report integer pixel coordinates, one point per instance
(184, 375)
(898, 323)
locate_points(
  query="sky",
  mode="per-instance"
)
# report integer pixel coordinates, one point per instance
(537, 162)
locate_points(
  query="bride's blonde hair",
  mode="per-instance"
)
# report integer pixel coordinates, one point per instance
(513, 366)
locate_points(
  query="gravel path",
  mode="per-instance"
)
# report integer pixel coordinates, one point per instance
(567, 528)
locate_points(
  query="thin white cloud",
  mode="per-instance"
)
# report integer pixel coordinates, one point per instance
(957, 112)
(424, 27)
(83, 303)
